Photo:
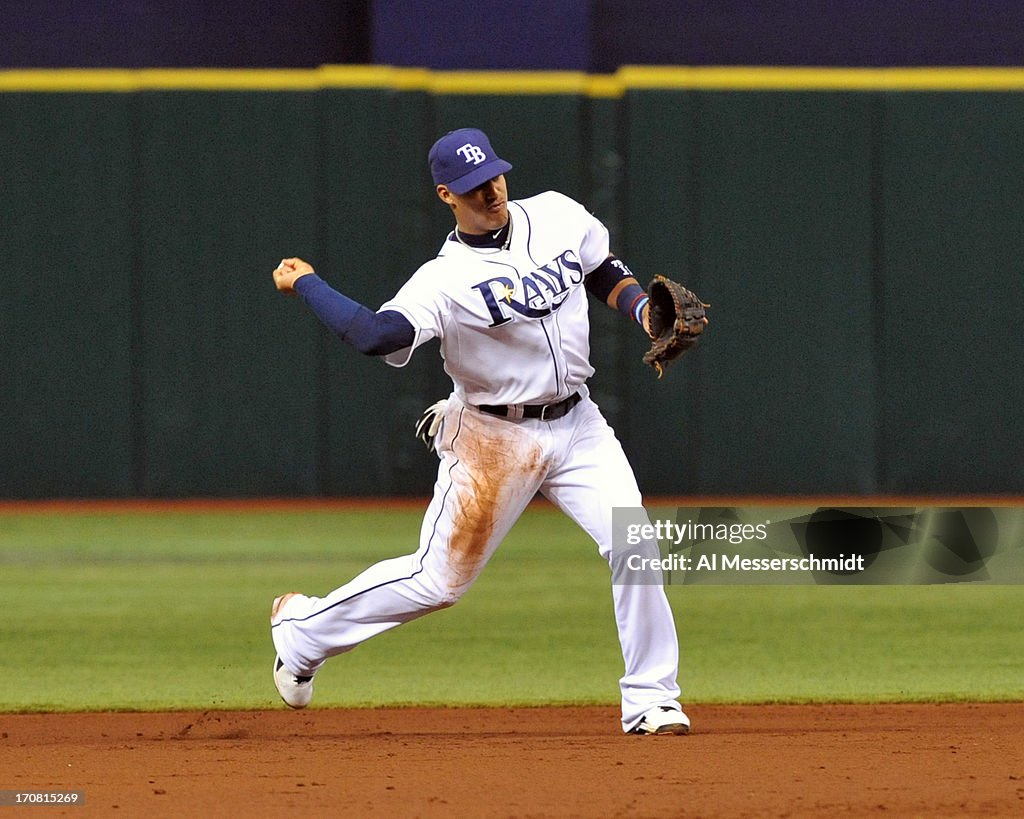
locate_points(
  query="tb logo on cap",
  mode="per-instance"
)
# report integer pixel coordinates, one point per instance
(473, 153)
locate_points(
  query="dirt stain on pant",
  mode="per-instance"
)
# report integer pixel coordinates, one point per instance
(499, 461)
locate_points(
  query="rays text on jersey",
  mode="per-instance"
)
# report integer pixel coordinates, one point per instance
(540, 292)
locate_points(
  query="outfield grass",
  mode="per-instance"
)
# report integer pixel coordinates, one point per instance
(167, 611)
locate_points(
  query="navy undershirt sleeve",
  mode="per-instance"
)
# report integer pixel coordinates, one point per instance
(604, 278)
(369, 332)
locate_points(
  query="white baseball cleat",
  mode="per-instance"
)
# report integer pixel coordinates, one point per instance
(295, 690)
(663, 719)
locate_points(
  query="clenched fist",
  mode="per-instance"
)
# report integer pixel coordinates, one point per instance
(288, 272)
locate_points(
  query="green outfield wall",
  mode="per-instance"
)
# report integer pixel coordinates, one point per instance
(858, 233)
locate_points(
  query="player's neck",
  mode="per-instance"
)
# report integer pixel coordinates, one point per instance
(495, 238)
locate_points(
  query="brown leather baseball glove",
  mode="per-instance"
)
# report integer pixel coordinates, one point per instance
(676, 319)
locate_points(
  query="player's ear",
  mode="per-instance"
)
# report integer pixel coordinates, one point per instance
(445, 195)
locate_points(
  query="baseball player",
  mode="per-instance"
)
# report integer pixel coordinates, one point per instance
(507, 296)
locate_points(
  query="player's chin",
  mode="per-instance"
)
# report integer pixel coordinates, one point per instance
(497, 214)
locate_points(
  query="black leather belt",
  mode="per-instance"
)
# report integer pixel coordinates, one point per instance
(546, 412)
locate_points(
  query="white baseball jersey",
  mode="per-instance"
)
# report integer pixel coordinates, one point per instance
(513, 321)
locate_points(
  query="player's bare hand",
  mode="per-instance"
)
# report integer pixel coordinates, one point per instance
(645, 319)
(290, 271)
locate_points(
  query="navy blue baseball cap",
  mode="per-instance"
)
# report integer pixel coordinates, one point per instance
(463, 159)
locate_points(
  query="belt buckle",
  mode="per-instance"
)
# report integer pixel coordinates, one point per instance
(544, 410)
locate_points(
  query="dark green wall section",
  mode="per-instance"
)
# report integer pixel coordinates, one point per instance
(763, 203)
(66, 302)
(224, 185)
(861, 252)
(952, 365)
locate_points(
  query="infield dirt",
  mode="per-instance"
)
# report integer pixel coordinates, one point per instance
(769, 760)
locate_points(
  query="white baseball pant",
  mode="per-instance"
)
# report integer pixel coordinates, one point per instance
(491, 468)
